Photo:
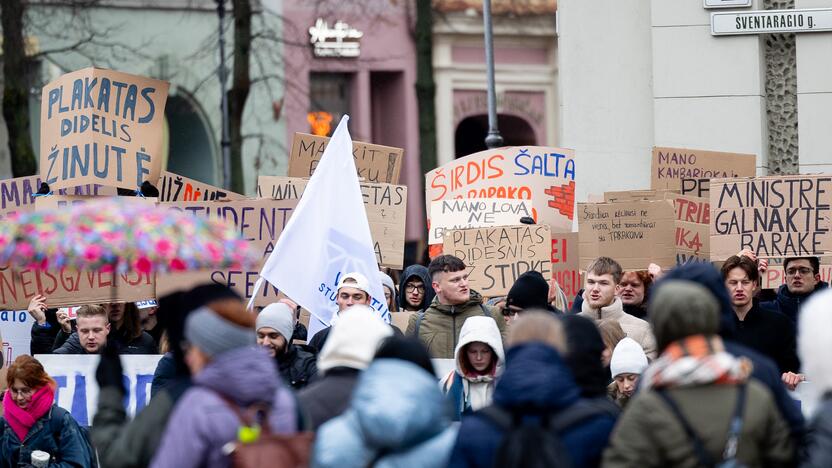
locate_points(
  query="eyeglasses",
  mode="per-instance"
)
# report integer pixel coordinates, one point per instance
(414, 287)
(24, 392)
(510, 311)
(802, 270)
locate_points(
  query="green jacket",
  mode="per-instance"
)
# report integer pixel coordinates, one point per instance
(441, 324)
(122, 443)
(649, 435)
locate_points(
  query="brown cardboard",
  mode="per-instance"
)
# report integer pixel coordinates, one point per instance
(634, 233)
(374, 163)
(102, 127)
(565, 265)
(174, 187)
(400, 319)
(52, 202)
(544, 175)
(496, 256)
(773, 277)
(671, 165)
(259, 220)
(776, 217)
(386, 207)
(470, 213)
(18, 195)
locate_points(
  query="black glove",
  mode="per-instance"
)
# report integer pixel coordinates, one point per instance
(109, 369)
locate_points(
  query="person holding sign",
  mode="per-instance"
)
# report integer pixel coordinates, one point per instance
(93, 328)
(439, 326)
(802, 281)
(600, 303)
(769, 332)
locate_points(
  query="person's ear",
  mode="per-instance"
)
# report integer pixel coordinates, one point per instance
(817, 277)
(107, 327)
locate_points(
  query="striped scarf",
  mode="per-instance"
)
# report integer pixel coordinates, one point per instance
(695, 360)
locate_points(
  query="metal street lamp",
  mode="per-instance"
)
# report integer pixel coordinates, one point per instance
(493, 139)
(225, 142)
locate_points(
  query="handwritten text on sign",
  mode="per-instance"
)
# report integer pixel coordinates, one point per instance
(174, 187)
(472, 213)
(18, 195)
(374, 163)
(102, 126)
(386, 207)
(544, 175)
(671, 165)
(773, 216)
(496, 256)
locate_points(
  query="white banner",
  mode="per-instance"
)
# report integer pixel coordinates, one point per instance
(465, 213)
(78, 391)
(16, 328)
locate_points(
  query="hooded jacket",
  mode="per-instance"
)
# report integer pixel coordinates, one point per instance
(536, 380)
(441, 324)
(634, 327)
(787, 303)
(422, 273)
(467, 390)
(202, 423)
(764, 370)
(397, 418)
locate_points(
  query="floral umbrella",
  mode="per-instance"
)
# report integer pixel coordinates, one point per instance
(123, 235)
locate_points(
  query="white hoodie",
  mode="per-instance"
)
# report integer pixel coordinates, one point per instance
(477, 390)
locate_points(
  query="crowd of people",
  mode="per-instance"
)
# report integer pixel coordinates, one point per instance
(692, 366)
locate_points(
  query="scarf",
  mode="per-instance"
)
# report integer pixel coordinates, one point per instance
(695, 360)
(21, 420)
(612, 311)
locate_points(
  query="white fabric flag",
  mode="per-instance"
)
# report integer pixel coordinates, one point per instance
(327, 237)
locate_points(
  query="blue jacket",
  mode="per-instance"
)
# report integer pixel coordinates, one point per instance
(789, 304)
(535, 377)
(398, 418)
(67, 446)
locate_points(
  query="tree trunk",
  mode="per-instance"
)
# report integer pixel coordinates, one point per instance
(425, 86)
(16, 91)
(240, 87)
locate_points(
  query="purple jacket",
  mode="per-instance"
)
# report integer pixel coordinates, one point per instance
(202, 422)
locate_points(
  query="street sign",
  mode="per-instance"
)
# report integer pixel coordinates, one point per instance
(771, 21)
(726, 3)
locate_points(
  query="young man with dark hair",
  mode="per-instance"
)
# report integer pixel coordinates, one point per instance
(802, 276)
(601, 303)
(439, 325)
(767, 331)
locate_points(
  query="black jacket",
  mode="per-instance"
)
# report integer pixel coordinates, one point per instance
(422, 273)
(329, 396)
(144, 344)
(787, 303)
(772, 334)
(296, 366)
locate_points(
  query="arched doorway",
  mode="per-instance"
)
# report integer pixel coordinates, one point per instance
(471, 132)
(190, 149)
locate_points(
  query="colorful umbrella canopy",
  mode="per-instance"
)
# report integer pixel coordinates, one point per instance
(121, 233)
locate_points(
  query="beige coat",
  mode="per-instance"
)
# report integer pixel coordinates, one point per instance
(634, 327)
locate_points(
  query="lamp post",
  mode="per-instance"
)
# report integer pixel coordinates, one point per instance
(225, 142)
(493, 139)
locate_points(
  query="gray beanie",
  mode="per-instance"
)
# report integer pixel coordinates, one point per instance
(278, 316)
(214, 335)
(680, 309)
(386, 280)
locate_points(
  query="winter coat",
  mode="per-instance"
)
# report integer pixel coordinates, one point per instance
(397, 417)
(122, 443)
(649, 435)
(328, 396)
(43, 337)
(466, 390)
(70, 446)
(164, 374)
(202, 422)
(144, 344)
(770, 333)
(818, 450)
(637, 311)
(635, 328)
(296, 366)
(787, 303)
(422, 273)
(537, 380)
(441, 324)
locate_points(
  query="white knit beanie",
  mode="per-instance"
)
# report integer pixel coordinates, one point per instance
(354, 339)
(628, 358)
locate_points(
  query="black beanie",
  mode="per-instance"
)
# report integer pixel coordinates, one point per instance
(583, 357)
(530, 291)
(407, 349)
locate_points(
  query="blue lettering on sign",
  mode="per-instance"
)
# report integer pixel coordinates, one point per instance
(546, 164)
(138, 388)
(79, 401)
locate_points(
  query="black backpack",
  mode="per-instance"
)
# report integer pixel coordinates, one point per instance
(538, 445)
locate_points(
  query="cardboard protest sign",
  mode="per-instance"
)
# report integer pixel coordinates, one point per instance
(174, 187)
(260, 221)
(634, 233)
(65, 287)
(565, 267)
(774, 276)
(18, 195)
(77, 390)
(446, 215)
(386, 206)
(693, 240)
(496, 256)
(400, 320)
(786, 216)
(50, 202)
(102, 127)
(374, 163)
(671, 165)
(544, 175)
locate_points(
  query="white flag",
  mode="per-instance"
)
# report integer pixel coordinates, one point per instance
(327, 237)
